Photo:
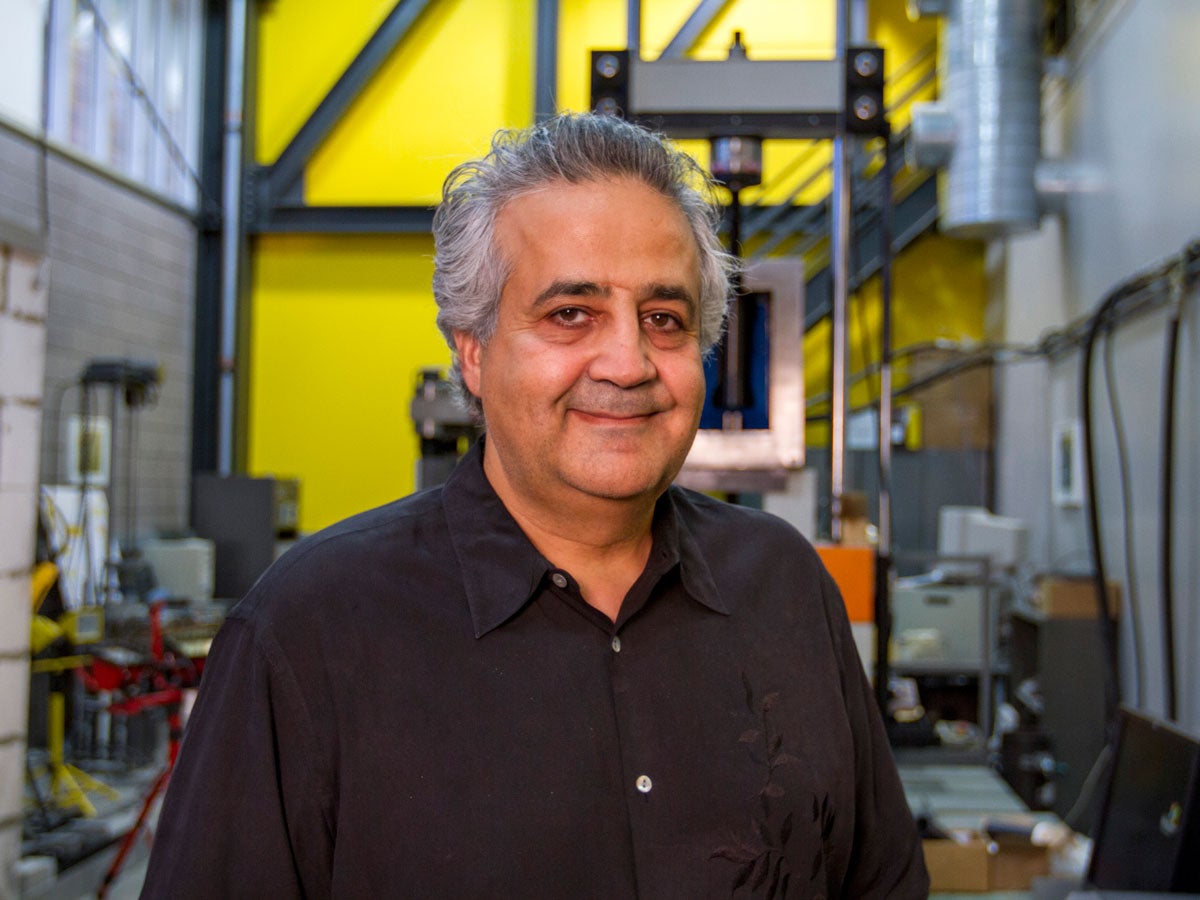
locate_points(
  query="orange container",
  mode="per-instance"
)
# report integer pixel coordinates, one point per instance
(853, 569)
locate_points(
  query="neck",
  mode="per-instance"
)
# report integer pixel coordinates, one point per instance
(604, 543)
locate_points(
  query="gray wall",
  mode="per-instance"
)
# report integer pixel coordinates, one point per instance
(1128, 115)
(922, 483)
(121, 283)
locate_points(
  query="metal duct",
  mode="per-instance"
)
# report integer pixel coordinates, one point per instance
(991, 69)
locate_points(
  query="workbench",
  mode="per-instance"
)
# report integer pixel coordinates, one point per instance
(960, 796)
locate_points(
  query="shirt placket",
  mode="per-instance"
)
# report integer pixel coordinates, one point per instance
(625, 641)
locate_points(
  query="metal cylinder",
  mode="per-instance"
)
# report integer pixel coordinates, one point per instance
(736, 161)
(991, 81)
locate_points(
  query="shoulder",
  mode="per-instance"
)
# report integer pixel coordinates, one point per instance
(346, 557)
(761, 563)
(724, 528)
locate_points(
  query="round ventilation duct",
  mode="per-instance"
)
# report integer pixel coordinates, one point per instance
(986, 131)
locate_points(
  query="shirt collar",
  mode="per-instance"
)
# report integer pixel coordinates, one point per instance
(671, 528)
(501, 569)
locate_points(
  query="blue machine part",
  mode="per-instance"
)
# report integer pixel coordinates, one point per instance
(755, 415)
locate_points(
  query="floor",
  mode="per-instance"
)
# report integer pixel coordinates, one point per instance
(81, 881)
(114, 818)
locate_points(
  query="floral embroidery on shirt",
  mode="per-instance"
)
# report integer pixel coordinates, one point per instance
(764, 853)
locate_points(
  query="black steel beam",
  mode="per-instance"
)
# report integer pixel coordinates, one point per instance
(288, 168)
(206, 356)
(242, 362)
(402, 219)
(766, 125)
(702, 16)
(545, 76)
(347, 220)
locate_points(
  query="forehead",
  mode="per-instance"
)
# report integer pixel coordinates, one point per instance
(614, 227)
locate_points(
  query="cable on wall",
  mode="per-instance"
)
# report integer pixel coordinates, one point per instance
(1167, 532)
(1165, 281)
(1122, 445)
(1112, 694)
(1179, 283)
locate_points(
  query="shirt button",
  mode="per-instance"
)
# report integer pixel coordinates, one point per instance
(616, 644)
(559, 579)
(644, 784)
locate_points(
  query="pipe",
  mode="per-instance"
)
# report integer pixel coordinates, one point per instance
(735, 392)
(986, 129)
(231, 234)
(545, 70)
(885, 353)
(991, 78)
(840, 263)
(883, 555)
(1106, 624)
(1167, 534)
(633, 28)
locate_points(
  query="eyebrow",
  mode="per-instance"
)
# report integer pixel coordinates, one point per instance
(565, 287)
(671, 292)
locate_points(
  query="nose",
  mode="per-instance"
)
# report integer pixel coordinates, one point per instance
(622, 354)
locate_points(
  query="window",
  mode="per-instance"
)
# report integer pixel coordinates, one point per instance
(124, 87)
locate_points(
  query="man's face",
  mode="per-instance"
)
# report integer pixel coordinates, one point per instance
(592, 383)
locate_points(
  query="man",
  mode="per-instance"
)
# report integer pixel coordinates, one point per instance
(556, 675)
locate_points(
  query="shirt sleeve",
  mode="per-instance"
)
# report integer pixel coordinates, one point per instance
(887, 859)
(246, 814)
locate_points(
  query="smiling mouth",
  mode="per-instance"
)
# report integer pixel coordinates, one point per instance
(606, 417)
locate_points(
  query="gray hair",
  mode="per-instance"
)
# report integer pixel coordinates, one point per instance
(469, 272)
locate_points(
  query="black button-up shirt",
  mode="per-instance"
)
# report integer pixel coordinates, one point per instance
(416, 703)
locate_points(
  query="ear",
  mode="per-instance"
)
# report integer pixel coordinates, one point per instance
(470, 359)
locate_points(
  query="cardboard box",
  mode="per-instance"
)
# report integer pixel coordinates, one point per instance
(956, 411)
(1071, 597)
(956, 867)
(981, 865)
(1014, 867)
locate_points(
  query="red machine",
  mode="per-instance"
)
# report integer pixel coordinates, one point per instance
(160, 683)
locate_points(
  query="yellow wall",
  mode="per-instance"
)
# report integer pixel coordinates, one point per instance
(905, 41)
(339, 326)
(938, 288)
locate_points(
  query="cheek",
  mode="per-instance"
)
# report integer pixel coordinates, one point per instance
(690, 385)
(553, 368)
(531, 374)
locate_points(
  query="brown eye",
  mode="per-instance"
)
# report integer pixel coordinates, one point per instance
(663, 322)
(569, 315)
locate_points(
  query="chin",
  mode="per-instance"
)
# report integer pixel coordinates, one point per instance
(626, 485)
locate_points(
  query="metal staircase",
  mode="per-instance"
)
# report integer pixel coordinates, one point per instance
(792, 227)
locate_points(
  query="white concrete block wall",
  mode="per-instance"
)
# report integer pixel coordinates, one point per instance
(27, 294)
(14, 592)
(22, 364)
(10, 849)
